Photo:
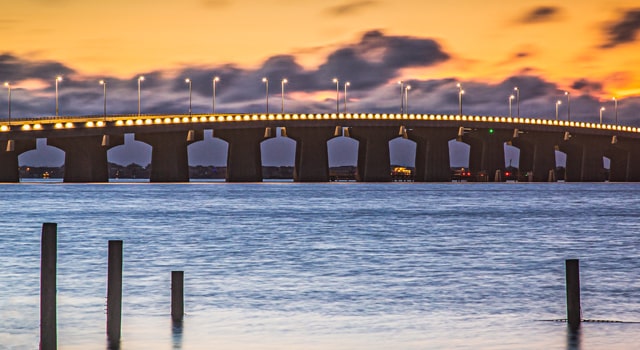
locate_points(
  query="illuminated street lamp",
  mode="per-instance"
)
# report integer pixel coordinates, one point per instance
(104, 89)
(558, 103)
(188, 81)
(510, 99)
(284, 81)
(615, 104)
(335, 80)
(460, 93)
(266, 81)
(566, 93)
(141, 78)
(345, 95)
(601, 110)
(8, 85)
(215, 80)
(401, 83)
(406, 98)
(58, 79)
(517, 101)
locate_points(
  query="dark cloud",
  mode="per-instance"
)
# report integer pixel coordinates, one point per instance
(541, 14)
(13, 68)
(624, 30)
(351, 7)
(587, 86)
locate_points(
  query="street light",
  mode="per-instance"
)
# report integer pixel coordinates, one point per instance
(517, 101)
(335, 80)
(8, 85)
(406, 98)
(284, 81)
(215, 80)
(141, 78)
(266, 81)
(104, 88)
(401, 83)
(345, 95)
(188, 81)
(460, 93)
(558, 103)
(58, 79)
(510, 99)
(601, 110)
(615, 102)
(568, 105)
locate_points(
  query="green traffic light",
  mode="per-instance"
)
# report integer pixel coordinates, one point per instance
(490, 131)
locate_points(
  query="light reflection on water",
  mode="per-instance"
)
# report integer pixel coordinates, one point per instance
(317, 266)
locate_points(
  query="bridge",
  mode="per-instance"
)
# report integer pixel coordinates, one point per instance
(86, 140)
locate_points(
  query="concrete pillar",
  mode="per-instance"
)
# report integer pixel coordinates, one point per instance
(584, 157)
(85, 157)
(374, 164)
(169, 156)
(9, 171)
(312, 158)
(625, 160)
(487, 150)
(537, 153)
(432, 153)
(244, 160)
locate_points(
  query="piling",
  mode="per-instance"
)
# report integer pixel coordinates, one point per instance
(114, 294)
(177, 295)
(48, 261)
(573, 293)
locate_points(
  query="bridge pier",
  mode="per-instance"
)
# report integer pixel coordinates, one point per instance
(9, 165)
(584, 158)
(487, 150)
(244, 160)
(169, 155)
(432, 153)
(537, 153)
(625, 161)
(85, 158)
(312, 157)
(374, 162)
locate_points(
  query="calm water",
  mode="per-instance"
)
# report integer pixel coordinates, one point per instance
(327, 266)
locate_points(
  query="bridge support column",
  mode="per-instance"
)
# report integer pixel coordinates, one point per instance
(312, 158)
(169, 156)
(9, 166)
(374, 163)
(537, 154)
(625, 160)
(85, 157)
(432, 153)
(244, 160)
(584, 158)
(487, 150)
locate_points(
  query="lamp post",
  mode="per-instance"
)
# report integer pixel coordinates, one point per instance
(266, 82)
(406, 98)
(188, 81)
(460, 93)
(601, 110)
(104, 89)
(566, 93)
(335, 80)
(8, 85)
(345, 95)
(510, 99)
(558, 103)
(517, 90)
(58, 79)
(213, 106)
(141, 78)
(284, 81)
(615, 106)
(401, 83)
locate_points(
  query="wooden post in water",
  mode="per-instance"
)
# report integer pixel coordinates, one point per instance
(573, 293)
(48, 262)
(114, 294)
(177, 295)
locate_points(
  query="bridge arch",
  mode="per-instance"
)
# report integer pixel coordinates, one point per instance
(208, 157)
(343, 157)
(278, 155)
(36, 154)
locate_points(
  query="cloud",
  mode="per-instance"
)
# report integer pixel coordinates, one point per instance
(587, 86)
(624, 30)
(541, 14)
(14, 69)
(350, 8)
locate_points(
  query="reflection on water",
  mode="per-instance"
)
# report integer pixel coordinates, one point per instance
(573, 339)
(176, 334)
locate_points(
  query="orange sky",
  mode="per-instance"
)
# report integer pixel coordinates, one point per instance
(126, 37)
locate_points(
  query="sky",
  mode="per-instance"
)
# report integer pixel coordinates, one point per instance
(589, 48)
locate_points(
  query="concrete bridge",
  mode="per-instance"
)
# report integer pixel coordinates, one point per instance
(86, 140)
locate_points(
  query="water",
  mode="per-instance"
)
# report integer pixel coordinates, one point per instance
(327, 266)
